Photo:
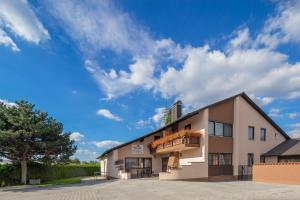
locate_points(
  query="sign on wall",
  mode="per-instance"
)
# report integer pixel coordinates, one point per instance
(137, 149)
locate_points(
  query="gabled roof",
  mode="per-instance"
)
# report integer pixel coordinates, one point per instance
(286, 148)
(191, 114)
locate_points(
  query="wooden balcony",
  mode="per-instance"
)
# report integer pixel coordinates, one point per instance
(180, 141)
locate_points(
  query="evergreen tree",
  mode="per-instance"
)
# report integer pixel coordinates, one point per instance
(28, 134)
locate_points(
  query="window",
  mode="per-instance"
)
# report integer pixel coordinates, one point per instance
(227, 130)
(217, 159)
(131, 163)
(213, 159)
(225, 159)
(250, 133)
(211, 128)
(262, 134)
(218, 129)
(262, 159)
(188, 127)
(138, 163)
(250, 159)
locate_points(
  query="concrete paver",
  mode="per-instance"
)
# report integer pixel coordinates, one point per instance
(144, 189)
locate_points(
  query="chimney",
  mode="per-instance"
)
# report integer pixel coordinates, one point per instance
(176, 110)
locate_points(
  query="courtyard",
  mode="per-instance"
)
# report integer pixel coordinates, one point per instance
(144, 189)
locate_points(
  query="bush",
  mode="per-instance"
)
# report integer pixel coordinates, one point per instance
(10, 174)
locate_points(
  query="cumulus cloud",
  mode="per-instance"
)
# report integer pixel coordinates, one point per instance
(282, 27)
(195, 74)
(106, 144)
(107, 114)
(76, 136)
(18, 18)
(115, 83)
(7, 103)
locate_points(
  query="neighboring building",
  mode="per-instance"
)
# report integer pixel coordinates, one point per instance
(216, 140)
(288, 151)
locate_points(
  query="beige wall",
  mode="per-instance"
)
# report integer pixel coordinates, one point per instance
(285, 173)
(220, 144)
(103, 166)
(108, 162)
(222, 112)
(245, 115)
(126, 152)
(193, 163)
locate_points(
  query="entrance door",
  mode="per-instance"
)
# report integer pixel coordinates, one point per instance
(164, 162)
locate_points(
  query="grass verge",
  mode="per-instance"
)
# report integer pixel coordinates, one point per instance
(64, 181)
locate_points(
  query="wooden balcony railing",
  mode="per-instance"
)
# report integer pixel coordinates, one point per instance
(180, 141)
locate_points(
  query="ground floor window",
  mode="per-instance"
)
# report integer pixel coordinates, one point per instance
(215, 159)
(289, 158)
(250, 159)
(138, 167)
(138, 163)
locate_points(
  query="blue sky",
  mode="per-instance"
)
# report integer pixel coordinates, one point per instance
(106, 69)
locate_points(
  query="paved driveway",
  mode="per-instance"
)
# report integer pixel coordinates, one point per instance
(153, 189)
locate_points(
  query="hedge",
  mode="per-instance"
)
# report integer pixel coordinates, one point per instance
(10, 174)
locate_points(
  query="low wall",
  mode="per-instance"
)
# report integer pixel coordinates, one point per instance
(285, 173)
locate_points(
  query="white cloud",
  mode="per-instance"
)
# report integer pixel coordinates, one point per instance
(283, 27)
(195, 74)
(106, 144)
(159, 115)
(213, 74)
(7, 103)
(17, 17)
(98, 25)
(115, 84)
(156, 120)
(275, 112)
(107, 114)
(85, 155)
(241, 39)
(76, 136)
(262, 101)
(292, 115)
(7, 41)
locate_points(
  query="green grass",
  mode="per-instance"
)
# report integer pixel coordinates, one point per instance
(63, 181)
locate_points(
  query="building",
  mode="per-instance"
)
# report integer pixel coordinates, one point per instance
(219, 140)
(288, 151)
